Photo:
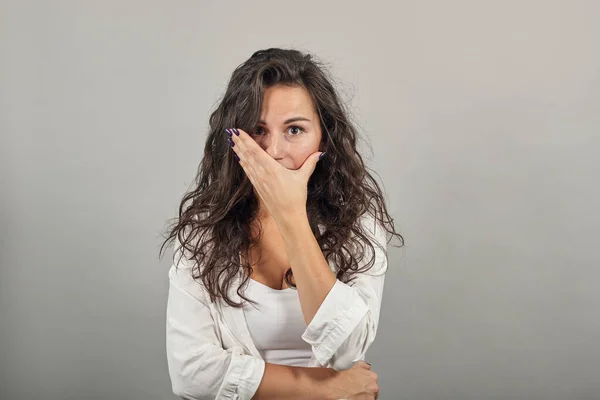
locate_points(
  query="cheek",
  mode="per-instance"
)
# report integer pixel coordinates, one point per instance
(310, 145)
(302, 151)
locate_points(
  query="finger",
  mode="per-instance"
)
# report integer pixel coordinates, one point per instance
(240, 149)
(248, 150)
(257, 164)
(249, 173)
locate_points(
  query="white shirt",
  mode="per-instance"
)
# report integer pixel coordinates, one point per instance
(211, 353)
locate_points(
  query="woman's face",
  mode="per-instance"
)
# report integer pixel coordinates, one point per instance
(289, 129)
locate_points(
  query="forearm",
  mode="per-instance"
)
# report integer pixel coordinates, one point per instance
(295, 383)
(312, 275)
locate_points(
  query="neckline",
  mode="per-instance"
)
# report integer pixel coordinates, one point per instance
(287, 289)
(243, 275)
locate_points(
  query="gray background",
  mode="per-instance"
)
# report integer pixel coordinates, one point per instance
(484, 121)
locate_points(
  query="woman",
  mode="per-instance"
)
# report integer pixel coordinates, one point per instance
(286, 217)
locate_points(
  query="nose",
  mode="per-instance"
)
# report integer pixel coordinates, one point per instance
(274, 145)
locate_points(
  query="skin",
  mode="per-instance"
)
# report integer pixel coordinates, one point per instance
(285, 143)
(290, 144)
(279, 157)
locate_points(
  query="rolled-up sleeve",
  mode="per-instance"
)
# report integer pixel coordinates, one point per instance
(345, 324)
(198, 365)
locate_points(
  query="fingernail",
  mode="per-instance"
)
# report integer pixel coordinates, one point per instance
(228, 132)
(231, 142)
(236, 131)
(321, 156)
(236, 157)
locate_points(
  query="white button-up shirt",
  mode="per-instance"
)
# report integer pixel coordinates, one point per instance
(211, 355)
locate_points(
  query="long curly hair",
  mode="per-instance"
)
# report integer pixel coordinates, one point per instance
(214, 224)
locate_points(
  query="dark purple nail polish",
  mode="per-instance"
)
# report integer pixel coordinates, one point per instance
(231, 142)
(236, 157)
(321, 156)
(236, 131)
(228, 132)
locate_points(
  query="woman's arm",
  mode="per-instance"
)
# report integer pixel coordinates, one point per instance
(295, 383)
(342, 319)
(312, 274)
(200, 369)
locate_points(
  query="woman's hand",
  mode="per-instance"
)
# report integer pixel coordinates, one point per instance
(356, 383)
(283, 191)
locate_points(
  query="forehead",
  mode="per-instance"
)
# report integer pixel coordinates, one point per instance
(282, 101)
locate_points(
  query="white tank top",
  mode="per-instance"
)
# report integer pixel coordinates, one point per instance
(276, 324)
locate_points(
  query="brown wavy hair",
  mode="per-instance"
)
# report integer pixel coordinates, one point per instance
(214, 228)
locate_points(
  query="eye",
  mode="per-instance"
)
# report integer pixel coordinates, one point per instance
(257, 131)
(295, 130)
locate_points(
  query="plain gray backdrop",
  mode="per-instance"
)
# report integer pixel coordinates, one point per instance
(484, 121)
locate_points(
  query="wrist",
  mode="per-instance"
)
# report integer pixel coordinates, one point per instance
(319, 381)
(329, 386)
(290, 222)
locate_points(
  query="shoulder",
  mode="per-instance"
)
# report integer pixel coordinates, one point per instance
(183, 269)
(374, 230)
(378, 238)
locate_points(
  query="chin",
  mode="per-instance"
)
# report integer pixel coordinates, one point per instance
(287, 167)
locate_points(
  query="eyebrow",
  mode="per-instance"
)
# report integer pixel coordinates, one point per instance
(288, 121)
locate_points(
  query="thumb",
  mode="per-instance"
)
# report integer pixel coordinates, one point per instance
(311, 163)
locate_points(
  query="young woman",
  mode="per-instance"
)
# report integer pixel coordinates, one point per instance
(287, 217)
